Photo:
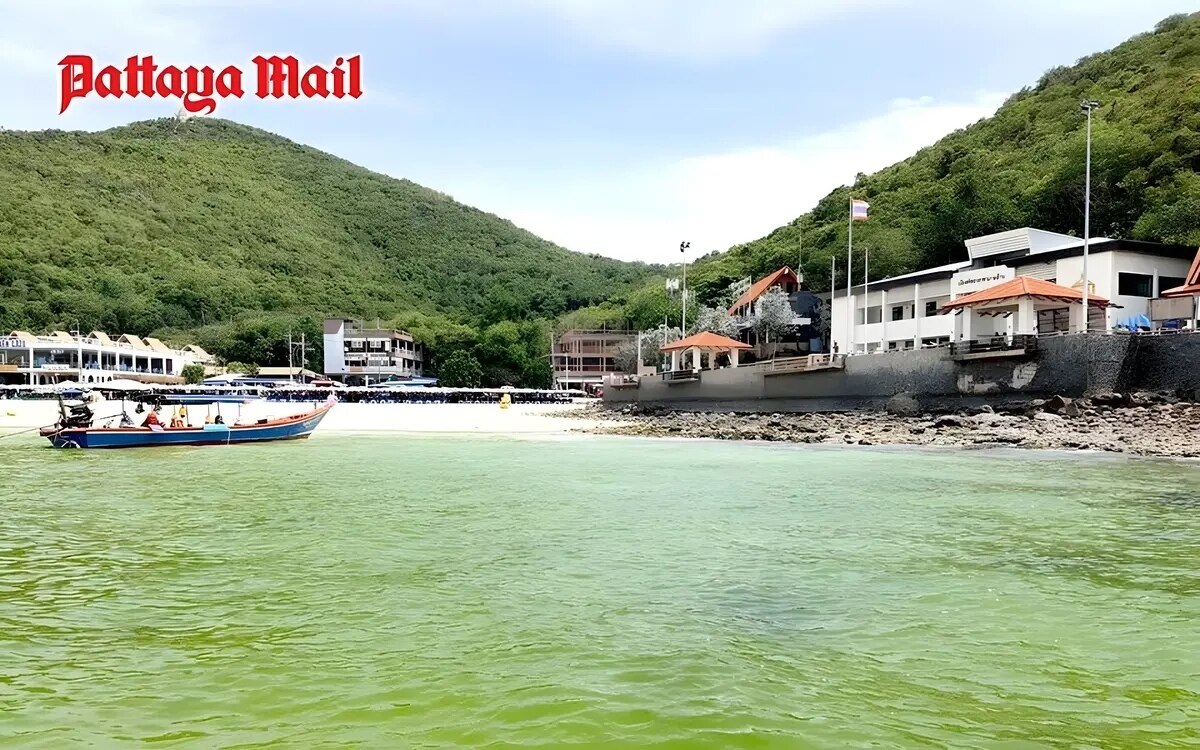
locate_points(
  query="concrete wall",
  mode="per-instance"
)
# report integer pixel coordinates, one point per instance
(1067, 365)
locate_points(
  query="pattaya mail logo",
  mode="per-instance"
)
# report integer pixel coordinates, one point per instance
(200, 89)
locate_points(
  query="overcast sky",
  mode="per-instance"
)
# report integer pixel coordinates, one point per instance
(613, 126)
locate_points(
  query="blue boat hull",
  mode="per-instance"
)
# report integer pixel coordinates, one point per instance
(292, 428)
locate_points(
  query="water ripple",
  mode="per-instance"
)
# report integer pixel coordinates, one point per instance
(446, 592)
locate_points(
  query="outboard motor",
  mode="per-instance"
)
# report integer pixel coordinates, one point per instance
(79, 415)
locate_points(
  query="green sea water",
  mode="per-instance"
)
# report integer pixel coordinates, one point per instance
(397, 592)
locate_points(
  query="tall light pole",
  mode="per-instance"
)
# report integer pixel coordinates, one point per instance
(1086, 106)
(683, 246)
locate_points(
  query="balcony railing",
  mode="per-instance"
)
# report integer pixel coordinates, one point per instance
(995, 346)
(585, 368)
(807, 363)
(680, 376)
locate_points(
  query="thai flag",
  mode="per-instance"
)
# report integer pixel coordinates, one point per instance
(858, 210)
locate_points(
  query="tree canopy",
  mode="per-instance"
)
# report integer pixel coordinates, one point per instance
(1024, 166)
(216, 232)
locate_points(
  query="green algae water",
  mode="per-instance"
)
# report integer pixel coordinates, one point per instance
(392, 591)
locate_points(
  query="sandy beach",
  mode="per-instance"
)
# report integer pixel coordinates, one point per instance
(416, 418)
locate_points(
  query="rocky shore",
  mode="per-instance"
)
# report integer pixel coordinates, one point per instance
(1145, 424)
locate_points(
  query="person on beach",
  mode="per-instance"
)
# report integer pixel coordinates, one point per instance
(152, 419)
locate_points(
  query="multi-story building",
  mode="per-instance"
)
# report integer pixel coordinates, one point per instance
(802, 337)
(355, 354)
(581, 358)
(902, 312)
(95, 357)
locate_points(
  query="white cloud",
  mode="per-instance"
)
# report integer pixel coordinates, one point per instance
(721, 199)
(34, 37)
(691, 29)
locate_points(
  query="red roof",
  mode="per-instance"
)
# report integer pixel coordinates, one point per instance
(782, 276)
(1024, 286)
(706, 340)
(1191, 284)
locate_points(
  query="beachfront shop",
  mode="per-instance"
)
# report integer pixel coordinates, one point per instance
(95, 357)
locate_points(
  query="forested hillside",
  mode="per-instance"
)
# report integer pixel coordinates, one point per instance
(1022, 167)
(219, 231)
(229, 235)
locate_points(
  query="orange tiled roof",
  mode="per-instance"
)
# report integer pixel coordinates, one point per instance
(1023, 286)
(1191, 284)
(706, 340)
(759, 287)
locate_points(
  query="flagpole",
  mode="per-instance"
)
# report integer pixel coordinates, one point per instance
(832, 294)
(849, 267)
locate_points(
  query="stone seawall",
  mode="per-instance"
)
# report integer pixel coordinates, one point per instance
(1168, 363)
(1072, 366)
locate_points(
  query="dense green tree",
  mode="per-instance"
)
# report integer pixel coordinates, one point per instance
(460, 370)
(192, 374)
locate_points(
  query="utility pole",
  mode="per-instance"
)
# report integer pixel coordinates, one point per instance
(866, 283)
(832, 294)
(78, 351)
(1086, 106)
(683, 246)
(800, 252)
(290, 378)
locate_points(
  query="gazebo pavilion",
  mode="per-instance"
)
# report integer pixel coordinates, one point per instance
(1019, 299)
(705, 342)
(1190, 288)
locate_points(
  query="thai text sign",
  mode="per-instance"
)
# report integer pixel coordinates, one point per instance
(966, 282)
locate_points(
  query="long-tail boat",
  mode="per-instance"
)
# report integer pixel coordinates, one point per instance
(75, 430)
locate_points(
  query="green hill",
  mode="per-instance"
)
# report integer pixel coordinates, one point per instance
(215, 230)
(1022, 167)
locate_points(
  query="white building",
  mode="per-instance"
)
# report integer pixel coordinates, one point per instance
(902, 312)
(27, 359)
(370, 354)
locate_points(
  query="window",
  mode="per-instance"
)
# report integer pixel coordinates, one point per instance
(1169, 282)
(898, 312)
(1053, 321)
(931, 308)
(1135, 285)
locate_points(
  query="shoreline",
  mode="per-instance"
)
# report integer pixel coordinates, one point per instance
(1141, 424)
(346, 418)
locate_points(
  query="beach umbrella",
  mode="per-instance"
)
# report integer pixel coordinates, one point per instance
(123, 385)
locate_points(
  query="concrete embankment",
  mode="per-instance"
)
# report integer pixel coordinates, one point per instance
(1072, 366)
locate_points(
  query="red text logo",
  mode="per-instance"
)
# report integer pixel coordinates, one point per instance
(200, 89)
